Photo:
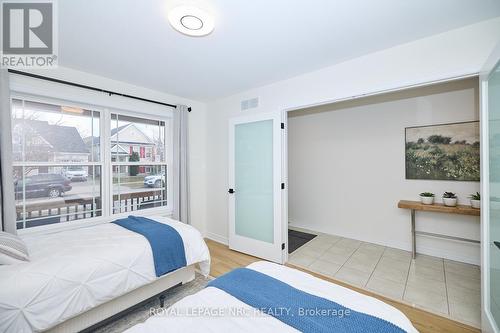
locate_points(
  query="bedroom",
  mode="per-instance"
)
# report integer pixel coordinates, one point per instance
(160, 121)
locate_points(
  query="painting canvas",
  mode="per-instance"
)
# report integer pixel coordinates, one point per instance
(443, 152)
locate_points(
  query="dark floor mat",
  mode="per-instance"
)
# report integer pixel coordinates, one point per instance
(296, 239)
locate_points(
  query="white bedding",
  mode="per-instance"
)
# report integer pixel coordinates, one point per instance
(73, 271)
(214, 305)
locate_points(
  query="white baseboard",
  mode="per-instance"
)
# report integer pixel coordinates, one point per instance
(450, 255)
(217, 238)
(293, 227)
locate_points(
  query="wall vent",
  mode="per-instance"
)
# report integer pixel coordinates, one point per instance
(249, 103)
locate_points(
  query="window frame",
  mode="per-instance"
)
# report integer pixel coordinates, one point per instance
(105, 162)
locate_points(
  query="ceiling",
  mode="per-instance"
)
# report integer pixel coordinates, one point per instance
(255, 42)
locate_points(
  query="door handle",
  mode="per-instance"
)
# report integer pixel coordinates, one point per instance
(497, 243)
(231, 191)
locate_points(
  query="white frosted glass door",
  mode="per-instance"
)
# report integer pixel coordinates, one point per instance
(253, 176)
(255, 179)
(494, 185)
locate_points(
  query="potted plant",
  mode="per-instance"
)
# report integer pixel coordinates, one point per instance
(427, 198)
(449, 199)
(475, 200)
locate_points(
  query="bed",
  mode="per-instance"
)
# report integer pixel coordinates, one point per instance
(216, 310)
(77, 278)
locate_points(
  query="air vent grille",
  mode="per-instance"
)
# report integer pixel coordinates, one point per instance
(250, 104)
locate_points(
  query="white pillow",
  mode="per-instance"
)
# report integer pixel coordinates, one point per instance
(12, 249)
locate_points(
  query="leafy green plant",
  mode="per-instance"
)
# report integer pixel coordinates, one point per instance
(476, 196)
(427, 194)
(449, 195)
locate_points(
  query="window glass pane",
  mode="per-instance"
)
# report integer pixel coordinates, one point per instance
(138, 187)
(17, 138)
(55, 194)
(137, 139)
(53, 133)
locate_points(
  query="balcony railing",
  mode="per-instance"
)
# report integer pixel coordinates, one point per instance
(44, 211)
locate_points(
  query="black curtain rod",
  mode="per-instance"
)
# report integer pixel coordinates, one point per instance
(46, 78)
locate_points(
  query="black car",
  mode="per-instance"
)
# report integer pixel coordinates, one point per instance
(42, 185)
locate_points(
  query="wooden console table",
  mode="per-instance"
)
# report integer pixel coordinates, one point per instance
(437, 208)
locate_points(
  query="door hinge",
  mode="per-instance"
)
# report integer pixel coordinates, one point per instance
(282, 125)
(282, 186)
(282, 246)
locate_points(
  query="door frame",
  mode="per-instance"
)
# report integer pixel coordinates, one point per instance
(487, 322)
(284, 120)
(273, 252)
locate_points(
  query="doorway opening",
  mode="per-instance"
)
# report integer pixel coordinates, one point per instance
(347, 171)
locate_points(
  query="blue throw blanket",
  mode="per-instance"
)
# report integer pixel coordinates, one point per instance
(165, 241)
(298, 309)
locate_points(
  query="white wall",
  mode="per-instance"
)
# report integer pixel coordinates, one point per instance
(197, 118)
(454, 53)
(347, 169)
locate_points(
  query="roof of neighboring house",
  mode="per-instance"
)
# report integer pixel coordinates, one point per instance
(95, 140)
(118, 129)
(65, 139)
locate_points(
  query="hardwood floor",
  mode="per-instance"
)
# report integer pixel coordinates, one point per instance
(224, 260)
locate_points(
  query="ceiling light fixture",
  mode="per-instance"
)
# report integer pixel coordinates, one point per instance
(191, 21)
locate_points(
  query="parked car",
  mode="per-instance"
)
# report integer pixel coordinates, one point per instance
(42, 185)
(155, 180)
(74, 173)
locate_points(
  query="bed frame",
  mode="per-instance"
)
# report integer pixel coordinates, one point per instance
(119, 304)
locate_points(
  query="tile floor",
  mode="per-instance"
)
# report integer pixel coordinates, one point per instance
(442, 286)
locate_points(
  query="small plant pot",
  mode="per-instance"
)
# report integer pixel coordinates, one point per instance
(450, 202)
(475, 203)
(426, 200)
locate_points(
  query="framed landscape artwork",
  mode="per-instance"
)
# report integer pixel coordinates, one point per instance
(443, 152)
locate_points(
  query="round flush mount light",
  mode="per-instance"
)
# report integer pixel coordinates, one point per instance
(191, 21)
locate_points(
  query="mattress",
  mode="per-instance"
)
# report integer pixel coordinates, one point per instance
(75, 270)
(216, 311)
